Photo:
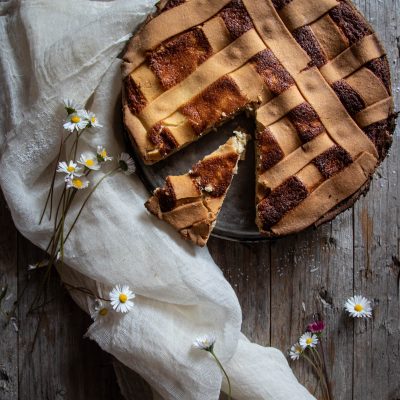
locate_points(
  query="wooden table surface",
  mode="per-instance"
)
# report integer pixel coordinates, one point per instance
(279, 284)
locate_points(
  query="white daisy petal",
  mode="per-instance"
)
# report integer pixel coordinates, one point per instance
(99, 310)
(91, 119)
(205, 342)
(308, 339)
(126, 164)
(89, 160)
(295, 351)
(77, 182)
(71, 106)
(121, 297)
(358, 307)
(70, 170)
(75, 121)
(102, 155)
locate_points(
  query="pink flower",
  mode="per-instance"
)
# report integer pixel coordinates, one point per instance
(316, 327)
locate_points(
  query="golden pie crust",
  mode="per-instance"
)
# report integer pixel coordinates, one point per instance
(312, 72)
(190, 203)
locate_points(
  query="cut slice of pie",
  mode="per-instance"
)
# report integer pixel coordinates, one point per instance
(312, 72)
(191, 203)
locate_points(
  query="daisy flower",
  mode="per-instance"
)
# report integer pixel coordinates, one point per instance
(99, 310)
(77, 182)
(126, 164)
(295, 351)
(205, 342)
(71, 169)
(308, 339)
(89, 160)
(71, 106)
(316, 327)
(102, 155)
(121, 297)
(75, 121)
(358, 307)
(91, 119)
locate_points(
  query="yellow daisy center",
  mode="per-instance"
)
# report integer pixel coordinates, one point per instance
(308, 341)
(103, 154)
(77, 183)
(89, 163)
(75, 119)
(103, 312)
(358, 307)
(123, 298)
(93, 119)
(70, 168)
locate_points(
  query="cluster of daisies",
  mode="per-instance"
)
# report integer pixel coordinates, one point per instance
(120, 301)
(357, 307)
(76, 172)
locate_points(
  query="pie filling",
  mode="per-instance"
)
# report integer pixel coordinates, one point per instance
(313, 74)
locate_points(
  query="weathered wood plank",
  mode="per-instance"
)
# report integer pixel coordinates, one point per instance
(310, 274)
(8, 288)
(59, 364)
(247, 268)
(376, 246)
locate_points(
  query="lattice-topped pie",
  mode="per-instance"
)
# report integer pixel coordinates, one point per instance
(313, 74)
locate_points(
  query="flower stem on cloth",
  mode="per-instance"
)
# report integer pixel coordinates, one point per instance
(223, 371)
(207, 343)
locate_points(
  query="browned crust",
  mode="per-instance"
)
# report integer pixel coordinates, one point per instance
(307, 40)
(352, 101)
(271, 70)
(268, 152)
(349, 20)
(332, 161)
(133, 96)
(163, 139)
(236, 18)
(214, 175)
(279, 4)
(281, 200)
(176, 59)
(380, 67)
(306, 121)
(207, 109)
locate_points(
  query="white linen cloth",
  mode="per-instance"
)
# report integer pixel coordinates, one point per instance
(54, 49)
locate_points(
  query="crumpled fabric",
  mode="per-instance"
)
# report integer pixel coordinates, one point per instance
(54, 49)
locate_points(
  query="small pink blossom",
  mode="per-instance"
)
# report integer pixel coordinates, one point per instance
(316, 327)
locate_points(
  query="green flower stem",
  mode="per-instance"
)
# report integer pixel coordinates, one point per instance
(321, 365)
(87, 199)
(211, 351)
(62, 227)
(84, 291)
(74, 148)
(51, 189)
(325, 372)
(317, 370)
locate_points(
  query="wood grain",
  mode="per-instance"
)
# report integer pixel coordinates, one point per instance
(279, 284)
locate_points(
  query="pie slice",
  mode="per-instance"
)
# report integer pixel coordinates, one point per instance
(312, 73)
(191, 202)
